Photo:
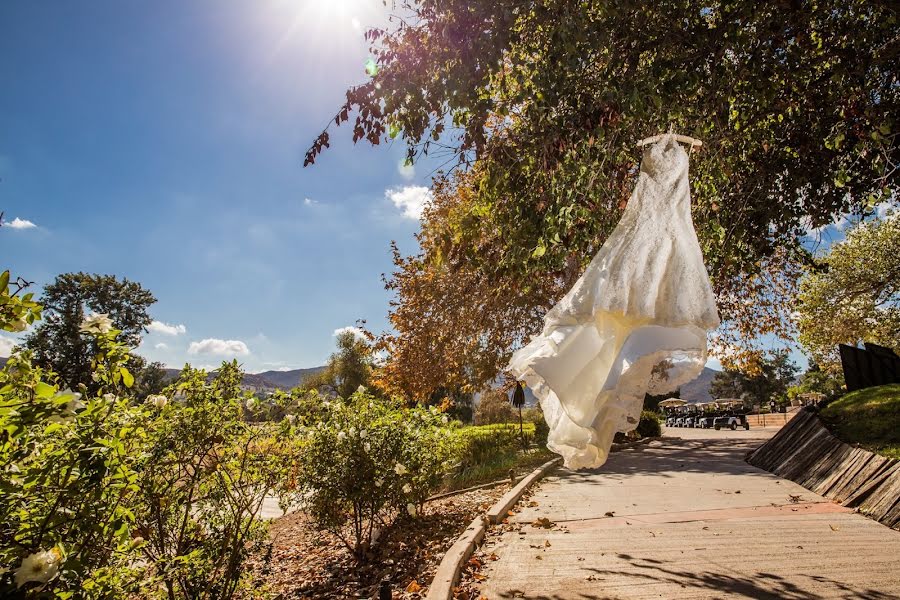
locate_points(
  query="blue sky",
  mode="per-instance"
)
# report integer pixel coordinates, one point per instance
(163, 141)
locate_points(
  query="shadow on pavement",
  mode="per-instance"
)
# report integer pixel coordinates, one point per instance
(763, 586)
(669, 458)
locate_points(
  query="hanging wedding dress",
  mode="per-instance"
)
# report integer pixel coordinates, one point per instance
(634, 323)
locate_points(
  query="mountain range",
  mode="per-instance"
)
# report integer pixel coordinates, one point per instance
(269, 381)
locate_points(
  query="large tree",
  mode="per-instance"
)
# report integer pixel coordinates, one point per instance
(57, 342)
(852, 294)
(541, 103)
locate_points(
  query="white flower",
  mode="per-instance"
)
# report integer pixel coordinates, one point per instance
(74, 402)
(157, 401)
(96, 323)
(291, 419)
(95, 377)
(407, 489)
(361, 389)
(367, 446)
(445, 420)
(379, 482)
(363, 434)
(411, 509)
(400, 469)
(342, 435)
(352, 431)
(251, 403)
(110, 398)
(39, 567)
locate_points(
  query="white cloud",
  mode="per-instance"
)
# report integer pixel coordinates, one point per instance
(165, 328)
(18, 223)
(219, 347)
(407, 170)
(309, 201)
(6, 345)
(411, 199)
(161, 346)
(350, 329)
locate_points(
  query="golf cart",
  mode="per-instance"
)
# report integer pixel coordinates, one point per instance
(732, 422)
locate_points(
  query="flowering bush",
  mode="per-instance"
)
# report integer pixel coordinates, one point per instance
(368, 461)
(202, 484)
(67, 472)
(104, 497)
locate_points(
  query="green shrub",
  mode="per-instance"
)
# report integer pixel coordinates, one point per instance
(650, 424)
(104, 497)
(541, 432)
(369, 460)
(202, 483)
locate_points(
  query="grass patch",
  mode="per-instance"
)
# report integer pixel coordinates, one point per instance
(490, 451)
(498, 468)
(869, 417)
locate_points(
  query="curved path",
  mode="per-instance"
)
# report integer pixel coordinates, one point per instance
(686, 517)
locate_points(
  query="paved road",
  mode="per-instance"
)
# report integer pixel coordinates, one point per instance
(690, 519)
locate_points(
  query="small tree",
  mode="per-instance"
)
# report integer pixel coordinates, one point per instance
(493, 407)
(347, 369)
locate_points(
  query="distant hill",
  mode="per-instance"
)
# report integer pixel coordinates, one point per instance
(267, 381)
(698, 390)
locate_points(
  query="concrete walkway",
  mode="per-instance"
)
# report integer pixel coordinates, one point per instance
(686, 517)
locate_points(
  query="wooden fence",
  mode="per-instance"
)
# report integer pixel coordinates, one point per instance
(805, 452)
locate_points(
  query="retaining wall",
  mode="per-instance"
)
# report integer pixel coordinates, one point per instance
(805, 452)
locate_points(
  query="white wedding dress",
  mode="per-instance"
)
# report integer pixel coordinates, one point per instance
(634, 323)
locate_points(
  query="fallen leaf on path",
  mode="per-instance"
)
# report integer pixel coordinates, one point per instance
(543, 522)
(546, 543)
(834, 527)
(795, 498)
(413, 587)
(610, 513)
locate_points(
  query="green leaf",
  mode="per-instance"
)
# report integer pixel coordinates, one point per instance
(44, 390)
(127, 377)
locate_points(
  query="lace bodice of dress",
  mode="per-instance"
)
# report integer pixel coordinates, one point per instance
(664, 169)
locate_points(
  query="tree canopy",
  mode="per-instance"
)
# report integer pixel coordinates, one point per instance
(347, 369)
(541, 104)
(853, 294)
(775, 376)
(59, 345)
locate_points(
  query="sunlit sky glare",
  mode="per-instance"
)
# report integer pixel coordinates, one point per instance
(163, 142)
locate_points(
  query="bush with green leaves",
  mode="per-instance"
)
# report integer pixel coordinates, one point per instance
(204, 474)
(369, 461)
(650, 424)
(67, 471)
(105, 497)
